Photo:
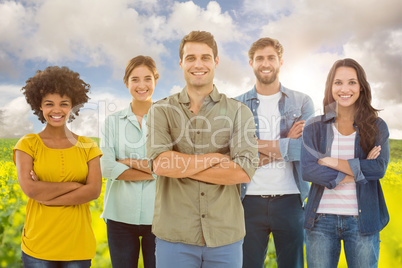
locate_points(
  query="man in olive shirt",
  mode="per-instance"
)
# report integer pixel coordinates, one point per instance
(201, 145)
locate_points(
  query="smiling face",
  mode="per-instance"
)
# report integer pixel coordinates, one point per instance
(141, 84)
(266, 65)
(198, 65)
(56, 109)
(345, 87)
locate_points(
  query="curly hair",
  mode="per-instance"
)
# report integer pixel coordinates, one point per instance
(59, 80)
(365, 114)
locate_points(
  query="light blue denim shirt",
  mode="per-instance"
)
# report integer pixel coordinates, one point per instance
(293, 106)
(125, 201)
(318, 136)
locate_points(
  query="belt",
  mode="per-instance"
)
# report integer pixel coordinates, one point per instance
(271, 195)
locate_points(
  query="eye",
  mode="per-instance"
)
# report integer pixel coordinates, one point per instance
(352, 82)
(337, 83)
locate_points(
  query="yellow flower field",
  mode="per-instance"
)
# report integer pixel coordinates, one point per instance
(13, 200)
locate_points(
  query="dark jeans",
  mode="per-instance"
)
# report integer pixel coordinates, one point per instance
(31, 262)
(283, 216)
(124, 244)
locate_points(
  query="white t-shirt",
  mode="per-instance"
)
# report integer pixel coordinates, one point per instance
(275, 177)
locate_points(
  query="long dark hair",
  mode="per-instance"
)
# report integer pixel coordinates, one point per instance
(365, 114)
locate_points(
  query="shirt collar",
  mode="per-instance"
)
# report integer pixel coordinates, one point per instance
(214, 95)
(127, 112)
(253, 93)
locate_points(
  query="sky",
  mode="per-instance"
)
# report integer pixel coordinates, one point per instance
(96, 38)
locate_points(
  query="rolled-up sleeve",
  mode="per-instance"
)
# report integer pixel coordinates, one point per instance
(111, 169)
(310, 153)
(243, 150)
(290, 148)
(159, 139)
(373, 169)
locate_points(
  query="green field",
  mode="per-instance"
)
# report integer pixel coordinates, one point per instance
(12, 213)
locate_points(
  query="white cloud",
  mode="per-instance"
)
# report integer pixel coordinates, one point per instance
(175, 89)
(14, 119)
(187, 16)
(314, 33)
(93, 114)
(9, 92)
(267, 8)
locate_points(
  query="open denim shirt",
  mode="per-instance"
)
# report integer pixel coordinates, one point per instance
(293, 106)
(317, 141)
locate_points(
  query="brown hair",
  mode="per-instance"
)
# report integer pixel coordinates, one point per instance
(365, 114)
(139, 61)
(265, 42)
(200, 37)
(60, 80)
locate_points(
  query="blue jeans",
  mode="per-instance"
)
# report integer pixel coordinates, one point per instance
(124, 244)
(283, 216)
(323, 243)
(31, 262)
(179, 255)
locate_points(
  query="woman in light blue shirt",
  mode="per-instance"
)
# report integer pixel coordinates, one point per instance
(130, 186)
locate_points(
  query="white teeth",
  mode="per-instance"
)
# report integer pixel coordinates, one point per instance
(198, 73)
(266, 72)
(142, 91)
(346, 96)
(56, 117)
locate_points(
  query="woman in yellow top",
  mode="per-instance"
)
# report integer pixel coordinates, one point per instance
(60, 173)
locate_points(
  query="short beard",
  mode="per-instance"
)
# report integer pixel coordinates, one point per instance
(267, 80)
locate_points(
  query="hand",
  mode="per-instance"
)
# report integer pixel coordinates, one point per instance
(33, 176)
(296, 130)
(374, 153)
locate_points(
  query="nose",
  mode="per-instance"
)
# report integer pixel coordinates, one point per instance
(198, 63)
(141, 84)
(56, 108)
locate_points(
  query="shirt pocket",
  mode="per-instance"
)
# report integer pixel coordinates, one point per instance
(220, 142)
(293, 115)
(181, 141)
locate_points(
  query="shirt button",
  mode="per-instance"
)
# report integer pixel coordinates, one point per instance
(203, 215)
(198, 132)
(202, 194)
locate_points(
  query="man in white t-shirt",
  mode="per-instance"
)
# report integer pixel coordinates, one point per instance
(273, 200)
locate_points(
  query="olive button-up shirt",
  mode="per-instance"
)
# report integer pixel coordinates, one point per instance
(190, 211)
